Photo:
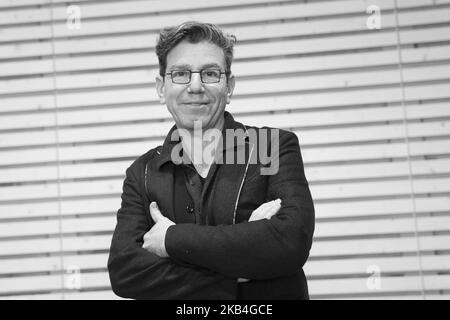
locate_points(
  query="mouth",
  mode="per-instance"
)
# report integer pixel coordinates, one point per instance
(196, 104)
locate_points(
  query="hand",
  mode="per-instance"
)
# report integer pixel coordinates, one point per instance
(266, 210)
(155, 237)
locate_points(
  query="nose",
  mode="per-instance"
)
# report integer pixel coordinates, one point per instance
(196, 85)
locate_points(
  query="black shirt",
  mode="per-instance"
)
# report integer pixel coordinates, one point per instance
(191, 191)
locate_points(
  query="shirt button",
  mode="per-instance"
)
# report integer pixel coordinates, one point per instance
(189, 209)
(192, 183)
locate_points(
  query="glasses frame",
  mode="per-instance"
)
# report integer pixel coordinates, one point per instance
(201, 76)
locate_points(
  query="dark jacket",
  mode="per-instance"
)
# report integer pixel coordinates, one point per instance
(206, 260)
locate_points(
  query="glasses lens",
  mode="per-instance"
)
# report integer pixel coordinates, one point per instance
(181, 76)
(210, 75)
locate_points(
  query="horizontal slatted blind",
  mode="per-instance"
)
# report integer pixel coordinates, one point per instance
(370, 107)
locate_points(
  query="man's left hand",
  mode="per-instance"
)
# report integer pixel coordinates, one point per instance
(155, 237)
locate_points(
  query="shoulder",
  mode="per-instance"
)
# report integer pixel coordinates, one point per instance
(273, 135)
(260, 133)
(138, 165)
(281, 132)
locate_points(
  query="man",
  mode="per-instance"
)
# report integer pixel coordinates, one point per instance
(228, 223)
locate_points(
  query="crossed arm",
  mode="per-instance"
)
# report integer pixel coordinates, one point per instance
(205, 261)
(138, 274)
(154, 239)
(261, 249)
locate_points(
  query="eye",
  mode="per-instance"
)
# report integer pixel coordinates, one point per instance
(211, 73)
(180, 73)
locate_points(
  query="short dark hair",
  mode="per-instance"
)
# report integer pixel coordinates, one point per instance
(194, 32)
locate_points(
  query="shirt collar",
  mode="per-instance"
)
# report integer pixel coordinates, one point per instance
(170, 142)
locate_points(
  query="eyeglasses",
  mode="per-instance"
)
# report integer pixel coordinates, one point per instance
(206, 75)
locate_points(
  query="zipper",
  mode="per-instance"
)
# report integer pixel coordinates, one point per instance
(242, 183)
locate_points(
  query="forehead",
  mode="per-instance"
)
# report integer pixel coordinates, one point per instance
(196, 55)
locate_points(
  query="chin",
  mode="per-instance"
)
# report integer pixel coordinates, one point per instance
(189, 121)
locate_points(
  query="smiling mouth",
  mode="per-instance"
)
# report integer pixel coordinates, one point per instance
(196, 104)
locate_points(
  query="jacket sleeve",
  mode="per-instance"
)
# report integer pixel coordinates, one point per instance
(261, 249)
(136, 273)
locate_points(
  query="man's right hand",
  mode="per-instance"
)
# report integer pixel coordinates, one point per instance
(266, 210)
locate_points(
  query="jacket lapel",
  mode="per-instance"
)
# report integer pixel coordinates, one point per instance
(160, 183)
(159, 178)
(230, 177)
(227, 188)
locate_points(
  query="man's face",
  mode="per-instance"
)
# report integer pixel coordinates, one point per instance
(195, 100)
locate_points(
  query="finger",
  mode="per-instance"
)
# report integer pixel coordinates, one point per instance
(154, 212)
(273, 210)
(262, 210)
(264, 207)
(269, 206)
(266, 210)
(277, 201)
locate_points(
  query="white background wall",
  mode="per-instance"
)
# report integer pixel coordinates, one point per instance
(371, 107)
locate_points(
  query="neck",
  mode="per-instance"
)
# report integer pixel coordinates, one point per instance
(198, 131)
(200, 145)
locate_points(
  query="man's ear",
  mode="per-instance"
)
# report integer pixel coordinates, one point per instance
(160, 88)
(230, 87)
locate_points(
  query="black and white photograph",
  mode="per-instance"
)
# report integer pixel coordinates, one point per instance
(225, 150)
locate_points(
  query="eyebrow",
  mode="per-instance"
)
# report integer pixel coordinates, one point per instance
(188, 67)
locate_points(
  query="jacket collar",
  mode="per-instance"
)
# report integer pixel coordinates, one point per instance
(170, 142)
